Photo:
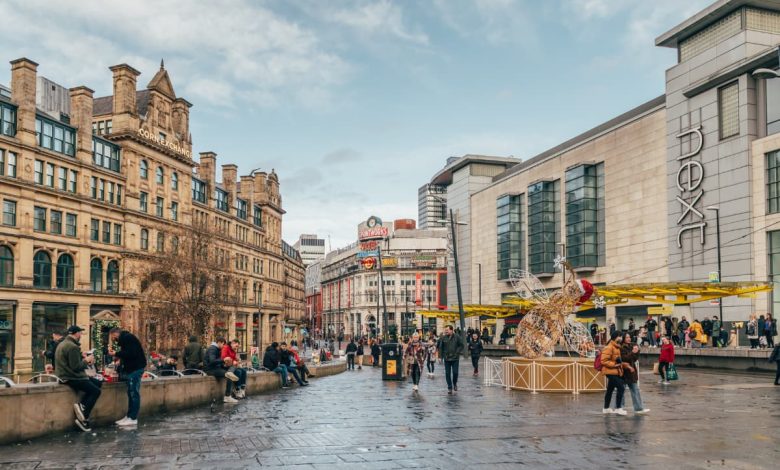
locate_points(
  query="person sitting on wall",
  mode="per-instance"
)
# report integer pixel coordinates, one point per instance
(71, 365)
(286, 359)
(215, 366)
(193, 354)
(229, 352)
(169, 366)
(271, 362)
(300, 364)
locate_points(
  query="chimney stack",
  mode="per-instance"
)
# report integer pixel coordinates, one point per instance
(207, 170)
(24, 75)
(81, 102)
(125, 107)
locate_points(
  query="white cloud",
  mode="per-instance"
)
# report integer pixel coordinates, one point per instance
(382, 17)
(495, 21)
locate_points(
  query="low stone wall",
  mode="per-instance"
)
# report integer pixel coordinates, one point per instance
(35, 410)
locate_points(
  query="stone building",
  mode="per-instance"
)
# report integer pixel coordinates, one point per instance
(295, 320)
(90, 195)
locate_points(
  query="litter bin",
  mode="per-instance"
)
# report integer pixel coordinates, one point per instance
(392, 362)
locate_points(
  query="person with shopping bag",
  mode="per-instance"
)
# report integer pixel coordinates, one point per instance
(665, 359)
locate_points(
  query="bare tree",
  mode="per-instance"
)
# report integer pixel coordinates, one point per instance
(182, 286)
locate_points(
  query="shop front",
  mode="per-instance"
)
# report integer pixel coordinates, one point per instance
(7, 323)
(48, 318)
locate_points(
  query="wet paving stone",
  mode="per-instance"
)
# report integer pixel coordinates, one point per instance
(355, 420)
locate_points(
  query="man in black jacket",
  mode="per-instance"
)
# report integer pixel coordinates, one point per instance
(351, 351)
(133, 360)
(271, 362)
(51, 347)
(214, 365)
(475, 348)
(193, 354)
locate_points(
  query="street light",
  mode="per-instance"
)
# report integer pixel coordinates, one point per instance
(461, 313)
(717, 241)
(767, 73)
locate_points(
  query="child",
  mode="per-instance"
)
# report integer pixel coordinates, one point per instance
(687, 338)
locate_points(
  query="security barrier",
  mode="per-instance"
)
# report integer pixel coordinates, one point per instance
(552, 374)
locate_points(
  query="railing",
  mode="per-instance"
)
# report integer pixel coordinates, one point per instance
(44, 378)
(533, 376)
(8, 382)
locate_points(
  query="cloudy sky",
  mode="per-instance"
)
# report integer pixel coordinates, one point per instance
(355, 103)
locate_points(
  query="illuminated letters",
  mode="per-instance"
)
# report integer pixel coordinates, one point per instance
(687, 183)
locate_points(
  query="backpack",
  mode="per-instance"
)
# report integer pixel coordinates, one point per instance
(597, 361)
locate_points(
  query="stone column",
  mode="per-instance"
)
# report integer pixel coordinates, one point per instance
(82, 320)
(23, 337)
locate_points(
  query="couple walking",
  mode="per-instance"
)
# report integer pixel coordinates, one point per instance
(450, 347)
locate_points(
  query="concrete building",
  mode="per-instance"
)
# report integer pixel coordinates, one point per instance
(462, 177)
(431, 206)
(314, 297)
(311, 248)
(639, 198)
(415, 278)
(91, 195)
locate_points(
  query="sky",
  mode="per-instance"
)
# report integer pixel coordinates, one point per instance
(356, 104)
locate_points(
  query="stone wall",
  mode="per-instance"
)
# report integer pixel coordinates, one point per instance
(30, 411)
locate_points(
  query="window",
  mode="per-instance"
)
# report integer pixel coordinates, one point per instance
(12, 164)
(160, 242)
(119, 195)
(55, 136)
(39, 219)
(144, 170)
(106, 232)
(174, 181)
(728, 104)
(511, 238)
(2, 162)
(222, 200)
(93, 187)
(109, 125)
(94, 230)
(175, 244)
(241, 209)
(96, 275)
(50, 175)
(105, 154)
(110, 188)
(773, 183)
(38, 172)
(101, 190)
(772, 106)
(198, 191)
(62, 180)
(7, 119)
(73, 181)
(70, 225)
(258, 216)
(160, 178)
(65, 272)
(117, 234)
(160, 205)
(543, 226)
(46, 319)
(6, 266)
(112, 276)
(144, 239)
(584, 215)
(162, 136)
(144, 199)
(174, 211)
(56, 222)
(774, 268)
(42, 270)
(9, 213)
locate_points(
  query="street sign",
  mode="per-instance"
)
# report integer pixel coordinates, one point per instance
(714, 276)
(715, 302)
(665, 310)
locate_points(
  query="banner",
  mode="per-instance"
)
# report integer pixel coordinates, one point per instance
(418, 289)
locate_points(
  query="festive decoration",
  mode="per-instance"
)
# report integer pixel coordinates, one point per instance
(559, 262)
(547, 322)
(98, 326)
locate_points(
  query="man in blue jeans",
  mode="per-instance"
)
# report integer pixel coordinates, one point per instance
(133, 360)
(450, 349)
(271, 362)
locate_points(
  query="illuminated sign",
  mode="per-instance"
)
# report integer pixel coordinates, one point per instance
(390, 262)
(423, 261)
(689, 178)
(369, 245)
(367, 254)
(368, 263)
(375, 233)
(169, 144)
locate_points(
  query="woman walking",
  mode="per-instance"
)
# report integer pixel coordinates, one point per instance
(612, 369)
(430, 355)
(415, 357)
(770, 330)
(664, 359)
(629, 354)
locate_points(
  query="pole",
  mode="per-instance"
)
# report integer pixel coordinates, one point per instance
(384, 302)
(480, 282)
(720, 276)
(457, 280)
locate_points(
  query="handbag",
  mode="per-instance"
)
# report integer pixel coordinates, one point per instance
(671, 373)
(655, 368)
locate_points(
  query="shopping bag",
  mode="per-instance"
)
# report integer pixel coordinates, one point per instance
(671, 373)
(655, 368)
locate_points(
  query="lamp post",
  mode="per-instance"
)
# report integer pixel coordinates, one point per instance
(461, 313)
(716, 209)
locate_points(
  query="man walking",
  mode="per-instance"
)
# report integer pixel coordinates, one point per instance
(475, 348)
(351, 351)
(133, 360)
(71, 365)
(450, 350)
(193, 354)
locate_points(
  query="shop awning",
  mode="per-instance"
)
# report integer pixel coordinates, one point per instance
(683, 293)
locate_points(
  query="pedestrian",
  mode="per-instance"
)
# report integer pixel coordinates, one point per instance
(475, 348)
(431, 355)
(668, 328)
(300, 364)
(131, 358)
(770, 330)
(51, 347)
(359, 353)
(375, 351)
(193, 354)
(775, 357)
(415, 357)
(594, 330)
(215, 366)
(682, 327)
(351, 351)
(706, 327)
(716, 329)
(612, 368)
(664, 359)
(751, 329)
(696, 333)
(271, 362)
(629, 355)
(485, 335)
(71, 365)
(651, 325)
(230, 358)
(450, 351)
(612, 327)
(504, 335)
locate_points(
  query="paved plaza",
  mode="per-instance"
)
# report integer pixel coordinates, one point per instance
(355, 420)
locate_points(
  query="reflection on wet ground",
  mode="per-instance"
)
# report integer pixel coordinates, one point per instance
(355, 420)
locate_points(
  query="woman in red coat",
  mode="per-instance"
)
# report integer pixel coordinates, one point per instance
(666, 358)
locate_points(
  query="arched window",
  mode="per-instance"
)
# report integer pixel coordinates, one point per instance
(42, 270)
(65, 272)
(144, 170)
(160, 175)
(160, 242)
(112, 276)
(144, 239)
(174, 181)
(6, 266)
(96, 275)
(175, 244)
